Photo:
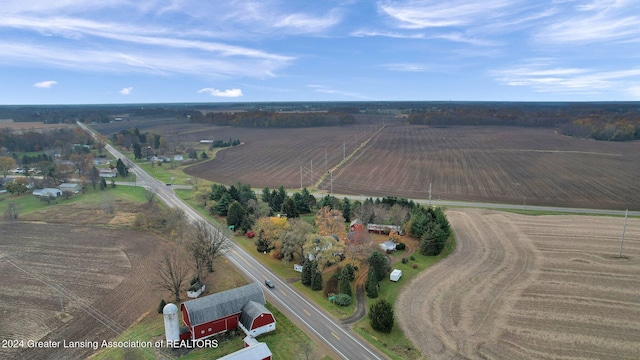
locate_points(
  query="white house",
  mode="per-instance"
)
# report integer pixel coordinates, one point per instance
(47, 192)
(388, 246)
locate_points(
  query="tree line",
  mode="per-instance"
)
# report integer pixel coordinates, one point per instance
(268, 119)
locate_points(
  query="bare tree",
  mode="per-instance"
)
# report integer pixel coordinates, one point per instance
(173, 271)
(149, 195)
(204, 243)
(305, 350)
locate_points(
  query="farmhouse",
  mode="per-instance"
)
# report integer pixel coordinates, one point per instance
(240, 307)
(356, 224)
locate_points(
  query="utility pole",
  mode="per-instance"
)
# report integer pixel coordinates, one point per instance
(331, 187)
(312, 172)
(344, 150)
(326, 164)
(624, 229)
(429, 194)
(300, 177)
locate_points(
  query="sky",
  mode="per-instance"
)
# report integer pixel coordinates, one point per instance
(153, 51)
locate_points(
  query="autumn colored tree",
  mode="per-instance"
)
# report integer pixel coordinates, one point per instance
(325, 249)
(6, 164)
(330, 222)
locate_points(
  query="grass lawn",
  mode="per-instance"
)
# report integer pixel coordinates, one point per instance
(395, 344)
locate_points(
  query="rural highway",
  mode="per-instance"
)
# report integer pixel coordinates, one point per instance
(288, 300)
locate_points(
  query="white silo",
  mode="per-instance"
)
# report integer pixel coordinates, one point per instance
(171, 325)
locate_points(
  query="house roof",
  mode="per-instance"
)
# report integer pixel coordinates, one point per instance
(69, 185)
(388, 245)
(355, 222)
(222, 304)
(251, 311)
(258, 351)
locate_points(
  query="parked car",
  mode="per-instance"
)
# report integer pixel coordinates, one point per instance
(269, 283)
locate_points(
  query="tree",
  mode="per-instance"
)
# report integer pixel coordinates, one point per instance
(432, 241)
(289, 208)
(235, 215)
(325, 249)
(103, 184)
(16, 187)
(11, 213)
(379, 264)
(222, 205)
(344, 285)
(204, 243)
(137, 150)
(270, 230)
(348, 272)
(316, 281)
(293, 240)
(122, 169)
(6, 164)
(346, 209)
(330, 222)
(309, 268)
(381, 316)
(173, 271)
(371, 286)
(94, 176)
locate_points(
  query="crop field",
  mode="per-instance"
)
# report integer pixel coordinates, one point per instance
(523, 287)
(100, 274)
(527, 166)
(26, 126)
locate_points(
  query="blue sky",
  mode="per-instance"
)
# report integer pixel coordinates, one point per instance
(141, 51)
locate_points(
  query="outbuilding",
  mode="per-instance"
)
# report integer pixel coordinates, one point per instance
(220, 312)
(72, 187)
(388, 246)
(395, 275)
(256, 319)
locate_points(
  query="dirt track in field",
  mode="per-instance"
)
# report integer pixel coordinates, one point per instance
(103, 275)
(523, 287)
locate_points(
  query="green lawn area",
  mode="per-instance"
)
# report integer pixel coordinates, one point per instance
(28, 203)
(395, 344)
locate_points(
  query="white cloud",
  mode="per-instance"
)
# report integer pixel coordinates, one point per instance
(545, 76)
(221, 93)
(127, 90)
(420, 14)
(407, 67)
(45, 84)
(328, 90)
(307, 23)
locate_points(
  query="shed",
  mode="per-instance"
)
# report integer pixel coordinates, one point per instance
(355, 225)
(47, 192)
(388, 246)
(395, 275)
(256, 319)
(72, 187)
(219, 312)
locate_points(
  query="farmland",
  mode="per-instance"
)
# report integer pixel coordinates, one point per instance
(521, 287)
(101, 274)
(526, 166)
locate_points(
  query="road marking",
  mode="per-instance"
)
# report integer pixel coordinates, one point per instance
(335, 336)
(283, 293)
(308, 313)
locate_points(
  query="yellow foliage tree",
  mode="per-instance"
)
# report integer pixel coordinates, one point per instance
(330, 222)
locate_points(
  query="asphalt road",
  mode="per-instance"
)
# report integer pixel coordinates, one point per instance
(285, 298)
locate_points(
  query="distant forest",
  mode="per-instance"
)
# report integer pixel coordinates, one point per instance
(610, 121)
(270, 119)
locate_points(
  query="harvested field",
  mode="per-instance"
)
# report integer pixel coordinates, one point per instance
(523, 287)
(532, 166)
(102, 275)
(26, 126)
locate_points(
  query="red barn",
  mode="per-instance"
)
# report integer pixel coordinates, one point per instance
(221, 312)
(256, 319)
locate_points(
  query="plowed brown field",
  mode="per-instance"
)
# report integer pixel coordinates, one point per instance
(102, 274)
(523, 287)
(488, 164)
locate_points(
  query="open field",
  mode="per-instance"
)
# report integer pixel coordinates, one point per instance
(25, 126)
(102, 275)
(527, 166)
(522, 287)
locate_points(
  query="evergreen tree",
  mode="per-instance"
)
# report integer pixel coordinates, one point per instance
(121, 168)
(289, 208)
(137, 151)
(371, 286)
(103, 184)
(349, 272)
(346, 209)
(222, 206)
(309, 268)
(266, 195)
(316, 281)
(235, 215)
(381, 316)
(344, 286)
(379, 264)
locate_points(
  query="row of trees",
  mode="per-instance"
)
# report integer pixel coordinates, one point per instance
(267, 119)
(32, 140)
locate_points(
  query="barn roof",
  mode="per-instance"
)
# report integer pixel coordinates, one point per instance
(250, 311)
(222, 304)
